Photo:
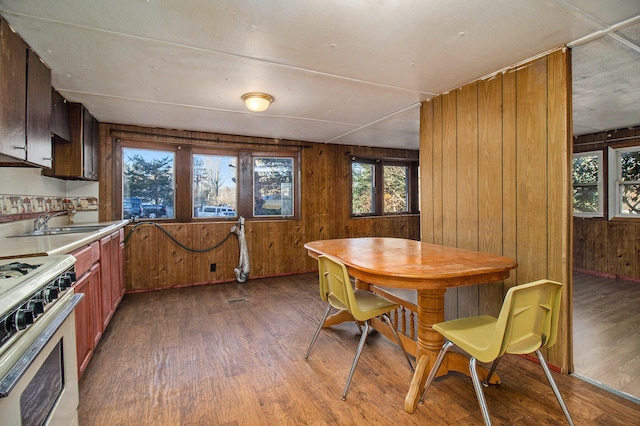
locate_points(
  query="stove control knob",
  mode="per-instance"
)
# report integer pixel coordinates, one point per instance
(50, 294)
(58, 284)
(36, 306)
(23, 318)
(6, 329)
(66, 281)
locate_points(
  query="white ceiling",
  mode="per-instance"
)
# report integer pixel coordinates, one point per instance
(341, 71)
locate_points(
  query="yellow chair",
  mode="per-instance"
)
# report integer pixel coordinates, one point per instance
(527, 322)
(336, 290)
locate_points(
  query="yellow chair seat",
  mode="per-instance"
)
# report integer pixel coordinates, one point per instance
(470, 334)
(368, 305)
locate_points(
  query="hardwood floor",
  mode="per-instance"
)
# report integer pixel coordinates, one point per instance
(232, 354)
(606, 320)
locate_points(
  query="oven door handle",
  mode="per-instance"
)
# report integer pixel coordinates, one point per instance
(8, 382)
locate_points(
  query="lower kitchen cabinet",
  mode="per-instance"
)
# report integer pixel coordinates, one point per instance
(88, 327)
(99, 272)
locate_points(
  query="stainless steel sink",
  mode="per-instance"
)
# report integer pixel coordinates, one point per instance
(61, 230)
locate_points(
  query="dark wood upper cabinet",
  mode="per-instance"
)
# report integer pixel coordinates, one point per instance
(90, 144)
(39, 149)
(25, 102)
(13, 90)
(77, 159)
(59, 117)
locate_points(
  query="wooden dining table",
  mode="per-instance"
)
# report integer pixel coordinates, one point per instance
(428, 268)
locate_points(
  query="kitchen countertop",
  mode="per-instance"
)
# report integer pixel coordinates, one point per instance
(45, 245)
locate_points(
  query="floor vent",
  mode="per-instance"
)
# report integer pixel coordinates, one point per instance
(238, 300)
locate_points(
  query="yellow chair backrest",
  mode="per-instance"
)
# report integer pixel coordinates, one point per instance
(528, 319)
(322, 278)
(338, 290)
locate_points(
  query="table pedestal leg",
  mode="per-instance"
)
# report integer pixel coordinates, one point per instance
(430, 311)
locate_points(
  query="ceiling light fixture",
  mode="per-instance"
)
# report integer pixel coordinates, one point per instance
(256, 101)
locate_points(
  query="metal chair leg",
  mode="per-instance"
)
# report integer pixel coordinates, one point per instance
(556, 391)
(395, 334)
(432, 374)
(479, 393)
(363, 338)
(494, 364)
(315, 336)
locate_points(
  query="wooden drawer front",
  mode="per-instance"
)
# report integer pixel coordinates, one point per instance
(84, 260)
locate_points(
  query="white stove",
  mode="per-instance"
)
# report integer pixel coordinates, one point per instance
(28, 287)
(38, 362)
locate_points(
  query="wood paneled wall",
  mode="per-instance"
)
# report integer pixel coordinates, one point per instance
(495, 177)
(276, 247)
(607, 247)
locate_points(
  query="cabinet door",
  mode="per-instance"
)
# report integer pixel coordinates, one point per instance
(38, 112)
(13, 93)
(121, 263)
(96, 304)
(106, 280)
(84, 331)
(59, 117)
(89, 145)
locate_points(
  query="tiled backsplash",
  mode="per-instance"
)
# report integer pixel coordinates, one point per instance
(13, 204)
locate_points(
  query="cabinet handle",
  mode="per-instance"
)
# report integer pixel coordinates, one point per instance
(20, 147)
(47, 158)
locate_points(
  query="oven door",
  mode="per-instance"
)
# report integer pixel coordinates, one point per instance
(41, 388)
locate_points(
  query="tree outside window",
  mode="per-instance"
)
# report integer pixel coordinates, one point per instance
(148, 182)
(396, 190)
(363, 188)
(215, 185)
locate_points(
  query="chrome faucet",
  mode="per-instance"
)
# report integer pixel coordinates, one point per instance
(42, 221)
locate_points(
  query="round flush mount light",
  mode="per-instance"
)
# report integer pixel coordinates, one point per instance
(256, 101)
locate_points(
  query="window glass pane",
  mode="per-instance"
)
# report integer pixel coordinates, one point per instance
(148, 183)
(215, 191)
(363, 188)
(273, 186)
(585, 183)
(630, 166)
(585, 169)
(396, 195)
(585, 199)
(628, 181)
(630, 199)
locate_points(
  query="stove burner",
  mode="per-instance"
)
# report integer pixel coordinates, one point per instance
(16, 269)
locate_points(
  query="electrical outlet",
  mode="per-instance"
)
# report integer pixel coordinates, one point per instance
(212, 267)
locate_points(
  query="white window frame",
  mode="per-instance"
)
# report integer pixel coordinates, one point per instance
(600, 184)
(614, 182)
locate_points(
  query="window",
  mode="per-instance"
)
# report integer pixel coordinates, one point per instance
(148, 183)
(363, 185)
(215, 192)
(397, 193)
(198, 182)
(396, 190)
(587, 184)
(624, 182)
(273, 186)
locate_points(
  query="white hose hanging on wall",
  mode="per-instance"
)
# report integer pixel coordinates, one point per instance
(242, 271)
